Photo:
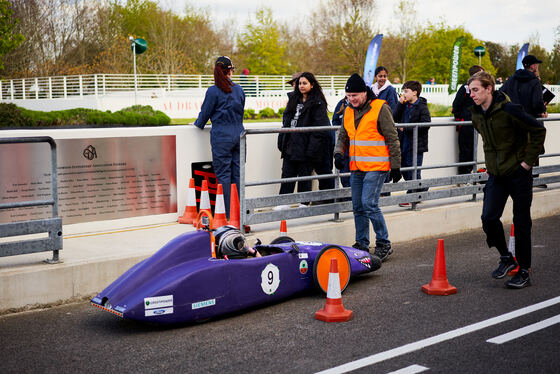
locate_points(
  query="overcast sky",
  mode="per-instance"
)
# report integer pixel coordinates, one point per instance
(501, 21)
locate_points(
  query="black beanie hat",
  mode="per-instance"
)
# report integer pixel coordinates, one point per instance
(355, 84)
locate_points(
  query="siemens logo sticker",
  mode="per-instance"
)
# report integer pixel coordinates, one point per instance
(158, 302)
(158, 312)
(203, 304)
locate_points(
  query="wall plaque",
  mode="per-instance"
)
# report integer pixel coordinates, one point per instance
(98, 179)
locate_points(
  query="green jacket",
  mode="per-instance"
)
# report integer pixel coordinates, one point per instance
(509, 134)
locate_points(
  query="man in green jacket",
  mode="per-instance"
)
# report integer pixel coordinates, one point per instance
(512, 141)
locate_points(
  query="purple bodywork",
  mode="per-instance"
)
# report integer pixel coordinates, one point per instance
(181, 282)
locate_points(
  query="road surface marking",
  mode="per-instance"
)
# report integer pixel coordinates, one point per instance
(411, 347)
(412, 369)
(525, 330)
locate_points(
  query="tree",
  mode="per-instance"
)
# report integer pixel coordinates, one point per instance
(554, 63)
(339, 36)
(433, 50)
(396, 52)
(261, 45)
(8, 38)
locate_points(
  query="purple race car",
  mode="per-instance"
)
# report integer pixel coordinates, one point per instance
(182, 282)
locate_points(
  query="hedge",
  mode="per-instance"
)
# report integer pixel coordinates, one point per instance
(137, 115)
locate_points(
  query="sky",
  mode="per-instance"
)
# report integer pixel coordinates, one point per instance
(501, 21)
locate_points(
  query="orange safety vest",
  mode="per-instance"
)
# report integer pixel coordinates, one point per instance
(368, 151)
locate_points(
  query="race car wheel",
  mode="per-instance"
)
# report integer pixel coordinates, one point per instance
(282, 239)
(322, 267)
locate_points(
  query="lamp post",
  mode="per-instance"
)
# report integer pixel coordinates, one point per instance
(138, 46)
(479, 51)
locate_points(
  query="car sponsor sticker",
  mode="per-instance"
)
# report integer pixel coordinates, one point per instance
(366, 261)
(310, 243)
(203, 304)
(303, 255)
(96, 300)
(270, 279)
(303, 267)
(158, 302)
(158, 312)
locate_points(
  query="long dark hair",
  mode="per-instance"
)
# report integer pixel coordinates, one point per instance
(315, 93)
(221, 79)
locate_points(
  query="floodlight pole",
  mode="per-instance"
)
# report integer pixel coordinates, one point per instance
(134, 63)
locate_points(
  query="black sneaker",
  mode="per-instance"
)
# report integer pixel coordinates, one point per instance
(360, 247)
(375, 263)
(519, 280)
(507, 263)
(383, 251)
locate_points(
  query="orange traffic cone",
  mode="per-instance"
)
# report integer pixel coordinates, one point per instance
(234, 213)
(189, 216)
(511, 248)
(334, 310)
(283, 228)
(220, 209)
(439, 284)
(204, 198)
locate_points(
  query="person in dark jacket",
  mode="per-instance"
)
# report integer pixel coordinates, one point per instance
(512, 142)
(525, 88)
(338, 120)
(462, 112)
(306, 107)
(412, 109)
(383, 89)
(223, 104)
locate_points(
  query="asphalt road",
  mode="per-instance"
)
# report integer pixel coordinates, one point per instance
(395, 325)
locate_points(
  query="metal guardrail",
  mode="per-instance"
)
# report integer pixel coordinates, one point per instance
(52, 226)
(258, 210)
(72, 86)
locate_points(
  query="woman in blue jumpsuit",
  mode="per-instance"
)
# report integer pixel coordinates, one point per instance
(223, 105)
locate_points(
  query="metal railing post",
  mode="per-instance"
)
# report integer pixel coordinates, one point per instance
(81, 85)
(50, 88)
(414, 156)
(23, 88)
(64, 87)
(95, 85)
(242, 159)
(11, 89)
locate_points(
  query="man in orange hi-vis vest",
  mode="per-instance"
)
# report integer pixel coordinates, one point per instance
(369, 133)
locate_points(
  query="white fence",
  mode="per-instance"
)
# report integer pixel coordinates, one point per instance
(179, 96)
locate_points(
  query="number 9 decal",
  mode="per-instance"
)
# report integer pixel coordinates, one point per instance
(270, 279)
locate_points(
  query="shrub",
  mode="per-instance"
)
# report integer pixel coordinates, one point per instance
(267, 113)
(249, 114)
(12, 116)
(281, 112)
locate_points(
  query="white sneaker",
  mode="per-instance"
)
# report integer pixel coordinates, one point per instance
(281, 207)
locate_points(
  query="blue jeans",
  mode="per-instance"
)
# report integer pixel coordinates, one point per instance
(407, 162)
(366, 188)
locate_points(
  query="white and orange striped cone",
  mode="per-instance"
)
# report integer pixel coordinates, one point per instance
(190, 214)
(283, 228)
(334, 310)
(204, 198)
(511, 248)
(220, 218)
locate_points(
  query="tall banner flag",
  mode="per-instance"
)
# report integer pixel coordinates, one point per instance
(371, 59)
(455, 65)
(524, 51)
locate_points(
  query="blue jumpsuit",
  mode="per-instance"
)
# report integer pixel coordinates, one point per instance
(225, 110)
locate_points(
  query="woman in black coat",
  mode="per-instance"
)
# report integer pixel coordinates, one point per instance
(306, 107)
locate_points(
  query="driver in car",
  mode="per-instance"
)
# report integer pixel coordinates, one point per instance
(231, 243)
